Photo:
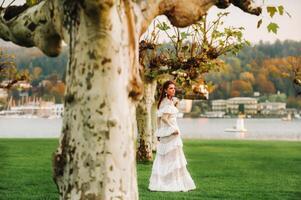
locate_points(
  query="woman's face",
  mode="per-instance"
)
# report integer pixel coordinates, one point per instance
(171, 90)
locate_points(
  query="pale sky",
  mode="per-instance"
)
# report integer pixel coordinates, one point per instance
(290, 28)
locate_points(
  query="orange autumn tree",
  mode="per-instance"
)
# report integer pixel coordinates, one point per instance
(10, 75)
(286, 68)
(241, 88)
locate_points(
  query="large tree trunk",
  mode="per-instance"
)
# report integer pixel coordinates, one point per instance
(96, 156)
(144, 123)
(154, 125)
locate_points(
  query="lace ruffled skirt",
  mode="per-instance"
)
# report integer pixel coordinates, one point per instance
(169, 172)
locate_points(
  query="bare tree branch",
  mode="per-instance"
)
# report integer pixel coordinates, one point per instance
(3, 1)
(11, 3)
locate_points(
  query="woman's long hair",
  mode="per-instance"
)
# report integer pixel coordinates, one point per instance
(163, 93)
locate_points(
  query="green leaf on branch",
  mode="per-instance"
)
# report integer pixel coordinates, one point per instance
(248, 43)
(273, 27)
(184, 35)
(271, 10)
(280, 9)
(163, 26)
(32, 2)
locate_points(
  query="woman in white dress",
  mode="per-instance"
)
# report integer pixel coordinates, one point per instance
(169, 172)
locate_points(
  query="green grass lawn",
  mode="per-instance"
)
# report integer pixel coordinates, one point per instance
(221, 169)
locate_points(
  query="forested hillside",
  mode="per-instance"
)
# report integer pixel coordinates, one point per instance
(264, 68)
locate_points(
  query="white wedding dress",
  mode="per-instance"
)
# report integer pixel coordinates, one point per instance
(169, 172)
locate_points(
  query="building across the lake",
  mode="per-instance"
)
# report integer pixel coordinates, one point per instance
(33, 107)
(45, 109)
(272, 108)
(219, 105)
(249, 105)
(232, 105)
(3, 97)
(214, 114)
(3, 93)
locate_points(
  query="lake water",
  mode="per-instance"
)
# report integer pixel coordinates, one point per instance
(260, 129)
(30, 128)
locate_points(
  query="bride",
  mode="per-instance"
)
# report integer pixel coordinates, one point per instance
(169, 172)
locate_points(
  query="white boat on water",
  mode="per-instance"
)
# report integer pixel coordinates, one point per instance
(239, 127)
(297, 116)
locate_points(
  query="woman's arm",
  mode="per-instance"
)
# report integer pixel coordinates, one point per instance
(165, 119)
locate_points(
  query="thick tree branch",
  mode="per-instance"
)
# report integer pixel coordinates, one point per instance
(31, 26)
(247, 6)
(182, 13)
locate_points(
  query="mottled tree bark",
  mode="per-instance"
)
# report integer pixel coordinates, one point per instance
(96, 155)
(144, 123)
(154, 123)
(35, 27)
